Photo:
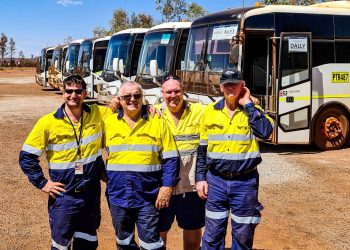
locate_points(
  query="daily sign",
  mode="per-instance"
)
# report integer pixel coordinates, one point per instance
(297, 44)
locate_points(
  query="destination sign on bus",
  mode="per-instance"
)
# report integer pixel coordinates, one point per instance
(340, 77)
(224, 32)
(298, 44)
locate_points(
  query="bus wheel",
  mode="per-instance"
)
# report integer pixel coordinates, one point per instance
(331, 129)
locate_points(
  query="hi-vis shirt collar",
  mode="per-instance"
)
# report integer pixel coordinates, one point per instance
(220, 105)
(60, 111)
(144, 112)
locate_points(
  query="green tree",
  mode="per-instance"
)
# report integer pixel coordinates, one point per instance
(100, 32)
(12, 49)
(21, 58)
(171, 10)
(120, 21)
(3, 46)
(134, 21)
(194, 11)
(145, 20)
(67, 40)
(141, 20)
(21, 55)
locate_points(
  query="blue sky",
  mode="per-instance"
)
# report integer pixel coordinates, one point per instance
(35, 24)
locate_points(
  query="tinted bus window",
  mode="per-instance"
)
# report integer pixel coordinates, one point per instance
(265, 21)
(342, 51)
(342, 27)
(136, 53)
(321, 26)
(181, 49)
(322, 52)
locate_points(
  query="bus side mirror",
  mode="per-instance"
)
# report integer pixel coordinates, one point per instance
(121, 66)
(91, 65)
(115, 65)
(67, 66)
(153, 68)
(234, 54)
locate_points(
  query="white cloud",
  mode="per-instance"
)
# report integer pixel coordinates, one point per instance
(69, 2)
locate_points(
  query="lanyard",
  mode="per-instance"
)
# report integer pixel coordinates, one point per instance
(75, 133)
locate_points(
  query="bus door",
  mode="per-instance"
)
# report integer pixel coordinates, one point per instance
(294, 89)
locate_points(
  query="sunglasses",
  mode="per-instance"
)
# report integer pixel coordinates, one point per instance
(77, 91)
(128, 97)
(168, 77)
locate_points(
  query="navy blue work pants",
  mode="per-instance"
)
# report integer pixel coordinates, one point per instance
(74, 218)
(240, 196)
(146, 219)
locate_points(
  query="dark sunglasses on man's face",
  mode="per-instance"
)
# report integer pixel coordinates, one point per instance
(128, 97)
(77, 91)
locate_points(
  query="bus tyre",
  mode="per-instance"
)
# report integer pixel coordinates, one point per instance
(331, 129)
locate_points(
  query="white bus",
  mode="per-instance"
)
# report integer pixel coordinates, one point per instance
(295, 59)
(162, 53)
(120, 62)
(55, 70)
(71, 60)
(45, 61)
(92, 53)
(98, 56)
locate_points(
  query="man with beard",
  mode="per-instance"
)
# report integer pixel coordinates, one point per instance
(228, 156)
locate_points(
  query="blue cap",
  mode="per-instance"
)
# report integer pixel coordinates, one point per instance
(231, 76)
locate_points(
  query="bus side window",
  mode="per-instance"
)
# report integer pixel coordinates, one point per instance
(342, 51)
(136, 54)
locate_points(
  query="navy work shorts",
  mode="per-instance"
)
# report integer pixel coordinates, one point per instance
(188, 209)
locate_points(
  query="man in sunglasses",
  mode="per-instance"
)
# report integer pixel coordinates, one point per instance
(183, 120)
(142, 169)
(71, 137)
(228, 156)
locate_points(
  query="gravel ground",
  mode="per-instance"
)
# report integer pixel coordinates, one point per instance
(304, 191)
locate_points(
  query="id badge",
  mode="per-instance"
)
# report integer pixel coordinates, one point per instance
(78, 168)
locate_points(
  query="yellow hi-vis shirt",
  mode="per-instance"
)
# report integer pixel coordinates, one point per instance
(229, 144)
(54, 135)
(186, 135)
(140, 159)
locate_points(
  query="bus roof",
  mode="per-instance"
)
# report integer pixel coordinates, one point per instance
(106, 38)
(77, 41)
(172, 25)
(58, 47)
(336, 4)
(298, 9)
(222, 16)
(132, 31)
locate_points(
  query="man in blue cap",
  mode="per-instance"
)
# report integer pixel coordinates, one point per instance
(228, 155)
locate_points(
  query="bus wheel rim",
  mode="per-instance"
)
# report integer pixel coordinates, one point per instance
(331, 128)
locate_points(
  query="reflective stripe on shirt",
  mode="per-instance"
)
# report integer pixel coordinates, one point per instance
(68, 165)
(134, 147)
(134, 167)
(186, 137)
(230, 137)
(72, 145)
(233, 156)
(32, 150)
